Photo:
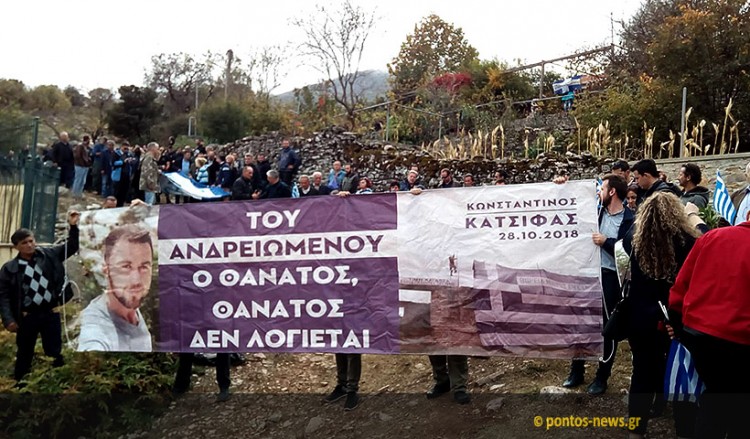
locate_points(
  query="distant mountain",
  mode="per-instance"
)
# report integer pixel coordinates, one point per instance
(370, 84)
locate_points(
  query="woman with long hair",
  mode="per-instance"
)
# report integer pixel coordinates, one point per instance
(661, 240)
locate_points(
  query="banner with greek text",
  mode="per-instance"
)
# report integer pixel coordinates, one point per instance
(501, 270)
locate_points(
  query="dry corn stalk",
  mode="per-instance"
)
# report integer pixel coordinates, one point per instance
(648, 144)
(526, 144)
(727, 112)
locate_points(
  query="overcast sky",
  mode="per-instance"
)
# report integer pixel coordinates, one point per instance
(91, 44)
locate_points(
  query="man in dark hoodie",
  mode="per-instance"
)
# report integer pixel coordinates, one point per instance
(690, 178)
(647, 177)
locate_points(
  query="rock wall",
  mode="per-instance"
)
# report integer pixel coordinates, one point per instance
(732, 169)
(386, 162)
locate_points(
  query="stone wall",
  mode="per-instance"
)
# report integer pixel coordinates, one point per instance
(732, 169)
(386, 162)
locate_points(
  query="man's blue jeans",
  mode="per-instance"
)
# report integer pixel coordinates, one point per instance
(106, 185)
(81, 172)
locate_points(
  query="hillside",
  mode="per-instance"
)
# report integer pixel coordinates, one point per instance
(370, 84)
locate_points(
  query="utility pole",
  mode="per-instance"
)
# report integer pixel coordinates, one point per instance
(541, 81)
(682, 122)
(612, 35)
(228, 78)
(387, 123)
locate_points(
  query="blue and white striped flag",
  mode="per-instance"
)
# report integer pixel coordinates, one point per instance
(681, 380)
(295, 191)
(722, 202)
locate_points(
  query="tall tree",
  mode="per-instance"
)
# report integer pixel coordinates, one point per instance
(224, 122)
(335, 41)
(100, 102)
(13, 94)
(134, 115)
(434, 48)
(265, 69)
(49, 103)
(698, 44)
(177, 75)
(76, 98)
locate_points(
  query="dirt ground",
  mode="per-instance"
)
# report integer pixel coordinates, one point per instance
(280, 396)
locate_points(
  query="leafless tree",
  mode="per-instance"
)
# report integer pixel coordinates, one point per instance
(266, 71)
(335, 41)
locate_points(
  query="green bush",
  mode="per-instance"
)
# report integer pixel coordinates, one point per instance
(93, 395)
(225, 122)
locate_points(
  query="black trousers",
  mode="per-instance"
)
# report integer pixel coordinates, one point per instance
(612, 295)
(185, 370)
(122, 192)
(348, 371)
(647, 382)
(287, 176)
(453, 369)
(722, 365)
(46, 324)
(67, 174)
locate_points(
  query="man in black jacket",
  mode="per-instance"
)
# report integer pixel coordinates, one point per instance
(305, 188)
(243, 187)
(647, 177)
(690, 177)
(446, 179)
(32, 285)
(614, 222)
(62, 156)
(263, 167)
(275, 189)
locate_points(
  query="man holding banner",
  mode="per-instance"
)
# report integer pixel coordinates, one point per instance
(448, 371)
(113, 321)
(32, 285)
(614, 223)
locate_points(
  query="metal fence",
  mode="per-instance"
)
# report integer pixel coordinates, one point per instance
(19, 140)
(28, 188)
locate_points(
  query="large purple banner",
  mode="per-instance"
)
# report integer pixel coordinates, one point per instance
(304, 275)
(502, 270)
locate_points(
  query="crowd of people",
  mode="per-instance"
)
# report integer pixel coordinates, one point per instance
(118, 172)
(701, 275)
(674, 261)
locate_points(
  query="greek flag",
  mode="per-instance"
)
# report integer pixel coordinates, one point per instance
(295, 191)
(722, 202)
(681, 380)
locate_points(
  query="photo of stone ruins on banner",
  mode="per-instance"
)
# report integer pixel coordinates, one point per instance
(503, 270)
